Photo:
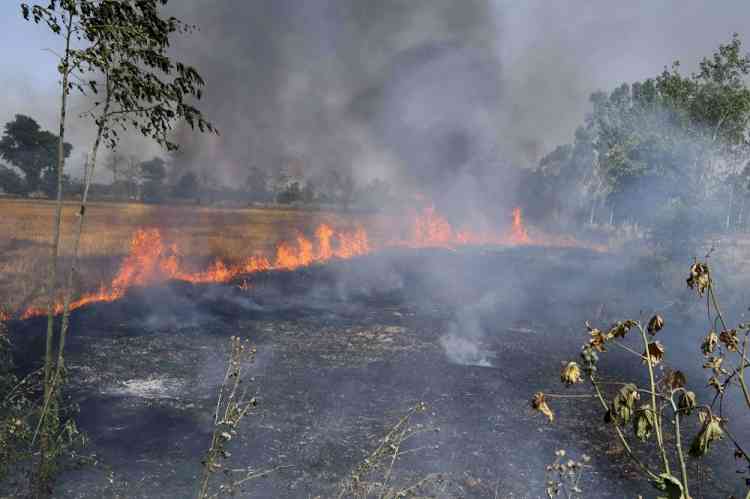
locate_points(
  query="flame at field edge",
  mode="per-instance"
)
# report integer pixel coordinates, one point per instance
(151, 261)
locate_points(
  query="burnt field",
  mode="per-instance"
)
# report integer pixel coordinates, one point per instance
(344, 349)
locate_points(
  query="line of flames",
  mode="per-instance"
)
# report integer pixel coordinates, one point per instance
(151, 260)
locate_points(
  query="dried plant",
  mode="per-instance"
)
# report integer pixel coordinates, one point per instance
(15, 410)
(564, 476)
(232, 405)
(373, 478)
(657, 412)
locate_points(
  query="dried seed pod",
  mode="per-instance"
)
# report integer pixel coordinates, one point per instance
(620, 328)
(655, 324)
(709, 343)
(714, 363)
(729, 338)
(571, 374)
(538, 403)
(709, 432)
(699, 278)
(655, 351)
(598, 339)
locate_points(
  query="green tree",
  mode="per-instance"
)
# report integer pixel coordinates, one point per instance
(187, 187)
(11, 182)
(153, 173)
(116, 51)
(672, 140)
(291, 194)
(256, 185)
(30, 149)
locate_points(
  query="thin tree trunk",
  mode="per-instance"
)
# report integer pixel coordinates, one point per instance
(741, 215)
(43, 476)
(729, 209)
(88, 177)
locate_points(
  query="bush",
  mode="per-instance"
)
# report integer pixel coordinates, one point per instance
(660, 412)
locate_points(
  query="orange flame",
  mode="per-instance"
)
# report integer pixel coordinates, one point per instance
(151, 261)
(432, 230)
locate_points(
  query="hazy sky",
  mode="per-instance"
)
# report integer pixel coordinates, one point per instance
(284, 76)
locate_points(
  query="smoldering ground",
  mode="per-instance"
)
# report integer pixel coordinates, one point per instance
(344, 350)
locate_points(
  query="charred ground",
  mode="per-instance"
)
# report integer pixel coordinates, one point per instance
(343, 350)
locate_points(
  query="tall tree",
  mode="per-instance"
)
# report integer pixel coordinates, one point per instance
(30, 149)
(11, 182)
(256, 184)
(153, 173)
(672, 140)
(187, 187)
(121, 58)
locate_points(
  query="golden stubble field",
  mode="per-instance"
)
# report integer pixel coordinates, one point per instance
(202, 234)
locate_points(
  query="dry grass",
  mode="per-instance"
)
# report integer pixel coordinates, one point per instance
(201, 234)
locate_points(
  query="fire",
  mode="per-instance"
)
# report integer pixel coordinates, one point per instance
(518, 232)
(432, 230)
(151, 261)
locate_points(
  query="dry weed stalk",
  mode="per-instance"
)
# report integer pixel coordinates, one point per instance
(373, 477)
(564, 476)
(666, 401)
(231, 406)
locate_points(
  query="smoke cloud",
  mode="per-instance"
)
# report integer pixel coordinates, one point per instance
(442, 97)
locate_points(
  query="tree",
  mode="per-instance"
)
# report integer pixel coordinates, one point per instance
(292, 194)
(256, 185)
(131, 174)
(32, 150)
(309, 193)
(671, 140)
(11, 182)
(118, 51)
(115, 164)
(187, 187)
(153, 173)
(48, 183)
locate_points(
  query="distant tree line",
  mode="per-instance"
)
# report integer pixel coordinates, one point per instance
(671, 150)
(31, 170)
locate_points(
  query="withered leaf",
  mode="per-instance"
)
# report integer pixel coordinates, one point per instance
(714, 382)
(714, 363)
(538, 403)
(670, 485)
(675, 379)
(686, 403)
(709, 432)
(623, 405)
(644, 423)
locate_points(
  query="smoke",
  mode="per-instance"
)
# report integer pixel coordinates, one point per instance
(437, 97)
(448, 98)
(463, 341)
